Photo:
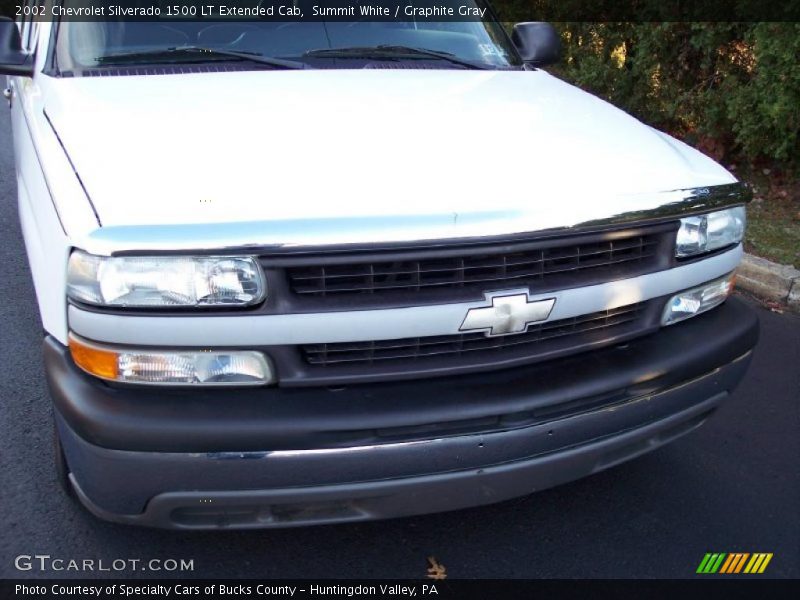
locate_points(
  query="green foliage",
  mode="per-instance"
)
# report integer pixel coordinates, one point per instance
(764, 109)
(731, 89)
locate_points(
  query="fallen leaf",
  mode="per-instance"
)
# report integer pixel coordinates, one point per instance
(436, 570)
(774, 307)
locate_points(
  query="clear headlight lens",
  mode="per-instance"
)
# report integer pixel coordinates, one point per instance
(698, 300)
(164, 281)
(177, 368)
(705, 233)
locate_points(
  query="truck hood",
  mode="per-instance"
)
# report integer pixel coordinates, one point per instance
(297, 146)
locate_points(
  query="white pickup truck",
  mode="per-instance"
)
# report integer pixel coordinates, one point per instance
(294, 273)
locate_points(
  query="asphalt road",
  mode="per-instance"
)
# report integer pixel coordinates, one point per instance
(731, 486)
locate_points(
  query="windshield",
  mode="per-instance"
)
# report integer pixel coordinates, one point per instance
(316, 43)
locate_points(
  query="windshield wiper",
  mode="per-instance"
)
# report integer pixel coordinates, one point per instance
(197, 51)
(387, 51)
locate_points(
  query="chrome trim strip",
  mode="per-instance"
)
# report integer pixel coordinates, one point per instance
(542, 219)
(284, 454)
(396, 323)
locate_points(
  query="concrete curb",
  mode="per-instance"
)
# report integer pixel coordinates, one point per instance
(770, 281)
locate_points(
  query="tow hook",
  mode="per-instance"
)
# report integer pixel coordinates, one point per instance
(8, 94)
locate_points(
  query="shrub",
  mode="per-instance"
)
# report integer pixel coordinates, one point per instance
(732, 89)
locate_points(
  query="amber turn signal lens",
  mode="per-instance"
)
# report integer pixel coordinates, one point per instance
(95, 361)
(170, 367)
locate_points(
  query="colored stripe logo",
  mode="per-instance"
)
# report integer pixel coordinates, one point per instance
(736, 562)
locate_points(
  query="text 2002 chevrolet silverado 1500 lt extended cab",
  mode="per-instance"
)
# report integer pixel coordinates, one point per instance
(312, 272)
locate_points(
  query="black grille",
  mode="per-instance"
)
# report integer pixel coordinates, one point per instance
(577, 332)
(565, 265)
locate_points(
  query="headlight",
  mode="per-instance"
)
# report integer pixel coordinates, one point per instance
(705, 233)
(165, 281)
(698, 300)
(176, 368)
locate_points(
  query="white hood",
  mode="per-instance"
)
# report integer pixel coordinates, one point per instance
(296, 145)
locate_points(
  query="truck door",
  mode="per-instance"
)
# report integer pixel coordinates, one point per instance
(21, 87)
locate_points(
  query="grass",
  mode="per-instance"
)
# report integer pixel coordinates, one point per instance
(773, 218)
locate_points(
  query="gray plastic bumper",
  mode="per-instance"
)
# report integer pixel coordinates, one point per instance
(232, 490)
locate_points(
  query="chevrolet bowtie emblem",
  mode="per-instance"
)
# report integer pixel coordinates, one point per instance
(508, 314)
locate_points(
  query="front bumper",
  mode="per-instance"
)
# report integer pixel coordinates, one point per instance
(279, 457)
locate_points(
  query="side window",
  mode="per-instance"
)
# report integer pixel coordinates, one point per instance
(29, 24)
(25, 23)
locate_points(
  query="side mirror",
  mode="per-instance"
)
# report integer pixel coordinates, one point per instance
(13, 59)
(538, 43)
